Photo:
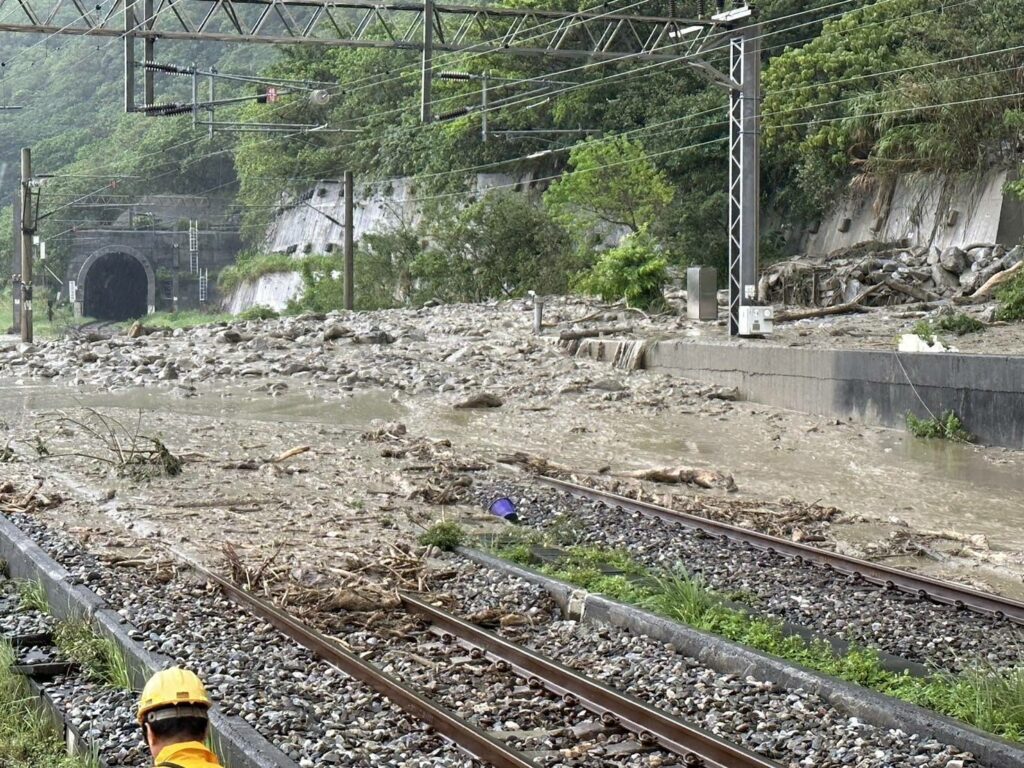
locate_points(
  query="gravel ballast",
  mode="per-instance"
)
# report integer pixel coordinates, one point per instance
(772, 585)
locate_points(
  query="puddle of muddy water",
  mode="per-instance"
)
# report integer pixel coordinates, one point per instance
(933, 485)
(357, 410)
(880, 473)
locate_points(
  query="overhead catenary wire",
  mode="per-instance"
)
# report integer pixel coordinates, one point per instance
(545, 93)
(688, 147)
(506, 161)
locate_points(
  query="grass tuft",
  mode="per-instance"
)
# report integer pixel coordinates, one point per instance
(27, 738)
(445, 535)
(101, 658)
(945, 427)
(258, 312)
(32, 596)
(959, 324)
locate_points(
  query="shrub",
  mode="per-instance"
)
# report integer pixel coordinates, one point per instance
(959, 324)
(250, 266)
(445, 535)
(258, 312)
(633, 271)
(946, 427)
(925, 331)
(1011, 299)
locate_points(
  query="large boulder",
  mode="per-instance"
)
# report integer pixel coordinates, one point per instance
(954, 260)
(944, 279)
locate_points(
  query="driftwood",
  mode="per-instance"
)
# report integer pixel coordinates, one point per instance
(913, 291)
(536, 464)
(838, 309)
(703, 478)
(590, 333)
(996, 280)
(291, 452)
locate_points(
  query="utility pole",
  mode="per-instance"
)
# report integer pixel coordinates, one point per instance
(483, 107)
(350, 266)
(744, 170)
(27, 229)
(427, 68)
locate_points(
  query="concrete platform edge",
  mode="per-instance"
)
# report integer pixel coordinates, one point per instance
(728, 657)
(239, 745)
(877, 387)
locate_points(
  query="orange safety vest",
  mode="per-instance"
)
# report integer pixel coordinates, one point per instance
(188, 754)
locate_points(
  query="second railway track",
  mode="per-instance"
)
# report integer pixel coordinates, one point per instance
(923, 620)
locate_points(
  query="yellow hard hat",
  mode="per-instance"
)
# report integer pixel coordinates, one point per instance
(174, 687)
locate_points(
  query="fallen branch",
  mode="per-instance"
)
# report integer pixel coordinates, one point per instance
(703, 478)
(590, 333)
(291, 452)
(838, 309)
(996, 280)
(912, 291)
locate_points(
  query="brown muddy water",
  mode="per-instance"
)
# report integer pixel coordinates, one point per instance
(885, 475)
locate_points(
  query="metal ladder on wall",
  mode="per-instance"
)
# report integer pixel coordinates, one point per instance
(193, 247)
(204, 285)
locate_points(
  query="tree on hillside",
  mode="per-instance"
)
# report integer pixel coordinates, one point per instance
(503, 245)
(610, 183)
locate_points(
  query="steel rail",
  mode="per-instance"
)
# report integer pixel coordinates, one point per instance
(923, 587)
(697, 747)
(471, 739)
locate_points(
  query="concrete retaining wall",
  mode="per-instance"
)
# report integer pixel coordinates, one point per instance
(986, 391)
(928, 209)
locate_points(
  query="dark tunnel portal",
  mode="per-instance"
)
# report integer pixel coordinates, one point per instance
(115, 288)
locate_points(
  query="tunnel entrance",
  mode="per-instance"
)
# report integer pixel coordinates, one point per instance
(115, 288)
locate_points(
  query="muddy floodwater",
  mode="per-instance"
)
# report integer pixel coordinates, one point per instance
(883, 476)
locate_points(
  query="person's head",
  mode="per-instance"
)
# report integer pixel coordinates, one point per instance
(173, 709)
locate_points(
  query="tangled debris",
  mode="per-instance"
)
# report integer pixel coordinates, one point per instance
(104, 439)
(876, 274)
(32, 501)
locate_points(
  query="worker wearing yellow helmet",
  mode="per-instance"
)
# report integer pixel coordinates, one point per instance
(173, 713)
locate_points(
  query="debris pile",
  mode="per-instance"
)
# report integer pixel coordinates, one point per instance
(875, 274)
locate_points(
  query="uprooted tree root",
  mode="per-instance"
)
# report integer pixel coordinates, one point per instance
(126, 450)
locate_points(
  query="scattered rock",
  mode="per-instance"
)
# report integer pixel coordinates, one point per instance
(375, 336)
(954, 260)
(481, 400)
(336, 331)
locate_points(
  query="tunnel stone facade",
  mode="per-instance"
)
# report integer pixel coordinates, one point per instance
(116, 274)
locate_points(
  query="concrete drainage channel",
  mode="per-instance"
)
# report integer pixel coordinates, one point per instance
(238, 744)
(725, 656)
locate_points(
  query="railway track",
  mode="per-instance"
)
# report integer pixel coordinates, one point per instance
(695, 747)
(857, 570)
(316, 715)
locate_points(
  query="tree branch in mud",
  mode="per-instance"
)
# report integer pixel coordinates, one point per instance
(127, 450)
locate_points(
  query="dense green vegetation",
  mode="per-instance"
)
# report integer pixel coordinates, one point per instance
(989, 699)
(1011, 299)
